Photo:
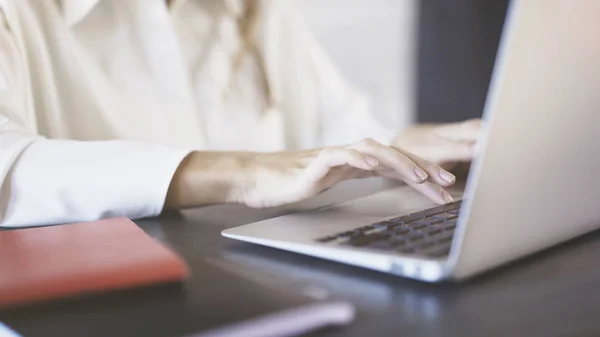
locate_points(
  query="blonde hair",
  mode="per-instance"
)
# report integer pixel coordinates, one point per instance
(248, 25)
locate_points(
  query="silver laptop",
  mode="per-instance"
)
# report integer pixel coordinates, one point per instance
(535, 181)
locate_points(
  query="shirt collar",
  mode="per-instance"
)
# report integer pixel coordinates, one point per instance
(75, 10)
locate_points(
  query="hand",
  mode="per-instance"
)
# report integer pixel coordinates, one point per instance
(282, 178)
(443, 144)
(273, 179)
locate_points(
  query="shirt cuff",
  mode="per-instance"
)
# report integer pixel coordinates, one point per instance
(61, 181)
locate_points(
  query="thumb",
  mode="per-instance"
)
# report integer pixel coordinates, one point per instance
(453, 152)
(467, 131)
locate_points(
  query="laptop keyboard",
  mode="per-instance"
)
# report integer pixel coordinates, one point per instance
(428, 233)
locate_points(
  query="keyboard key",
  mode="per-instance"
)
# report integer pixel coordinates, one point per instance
(407, 218)
(443, 236)
(439, 252)
(382, 245)
(401, 230)
(344, 235)
(439, 209)
(351, 234)
(427, 213)
(419, 227)
(426, 246)
(415, 237)
(432, 231)
(428, 232)
(389, 232)
(421, 223)
(406, 250)
(327, 239)
(366, 239)
(445, 216)
(439, 249)
(447, 225)
(359, 241)
(382, 225)
(386, 224)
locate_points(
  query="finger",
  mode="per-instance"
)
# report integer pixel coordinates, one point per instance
(391, 174)
(468, 131)
(430, 189)
(391, 158)
(448, 151)
(436, 173)
(409, 165)
(456, 152)
(333, 157)
(434, 192)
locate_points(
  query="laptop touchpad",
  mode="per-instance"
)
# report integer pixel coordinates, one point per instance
(396, 201)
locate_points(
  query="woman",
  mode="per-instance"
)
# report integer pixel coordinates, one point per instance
(108, 108)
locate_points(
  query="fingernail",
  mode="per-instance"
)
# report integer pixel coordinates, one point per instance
(447, 176)
(372, 162)
(447, 196)
(420, 173)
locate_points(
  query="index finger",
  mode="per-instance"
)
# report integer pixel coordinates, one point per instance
(397, 161)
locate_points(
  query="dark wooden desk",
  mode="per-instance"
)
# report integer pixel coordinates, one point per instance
(555, 293)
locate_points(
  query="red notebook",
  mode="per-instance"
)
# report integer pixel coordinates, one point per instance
(49, 262)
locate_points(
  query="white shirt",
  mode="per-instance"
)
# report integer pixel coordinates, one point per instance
(100, 100)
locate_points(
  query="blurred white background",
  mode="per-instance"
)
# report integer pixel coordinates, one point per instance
(373, 43)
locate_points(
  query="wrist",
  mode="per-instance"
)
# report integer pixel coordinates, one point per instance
(208, 178)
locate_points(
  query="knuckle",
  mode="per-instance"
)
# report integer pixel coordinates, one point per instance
(353, 153)
(327, 151)
(368, 142)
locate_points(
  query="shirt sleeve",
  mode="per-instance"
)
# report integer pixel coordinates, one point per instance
(345, 113)
(44, 181)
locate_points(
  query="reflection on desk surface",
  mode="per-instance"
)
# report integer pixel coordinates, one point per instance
(508, 299)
